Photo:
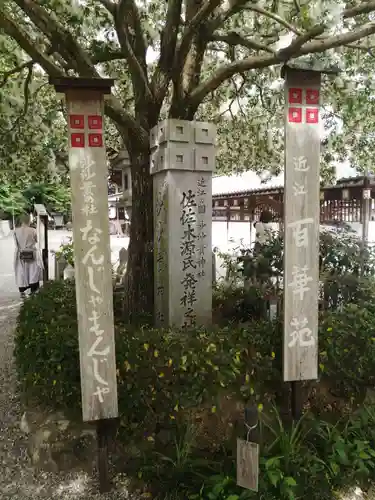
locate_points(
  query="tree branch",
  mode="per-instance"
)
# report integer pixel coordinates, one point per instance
(233, 39)
(275, 17)
(363, 8)
(128, 10)
(138, 74)
(170, 33)
(60, 38)
(17, 69)
(191, 29)
(109, 5)
(168, 42)
(124, 120)
(298, 42)
(28, 45)
(258, 62)
(224, 15)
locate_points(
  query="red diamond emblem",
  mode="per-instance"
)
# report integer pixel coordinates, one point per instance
(295, 115)
(312, 115)
(77, 140)
(312, 96)
(295, 96)
(95, 122)
(77, 121)
(95, 140)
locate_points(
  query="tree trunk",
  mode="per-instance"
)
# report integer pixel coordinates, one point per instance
(139, 301)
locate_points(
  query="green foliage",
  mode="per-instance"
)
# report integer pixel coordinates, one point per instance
(177, 370)
(312, 459)
(16, 200)
(245, 98)
(47, 345)
(12, 200)
(66, 251)
(170, 382)
(347, 347)
(53, 197)
(32, 128)
(346, 273)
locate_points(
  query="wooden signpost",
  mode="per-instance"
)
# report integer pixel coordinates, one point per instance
(92, 255)
(301, 227)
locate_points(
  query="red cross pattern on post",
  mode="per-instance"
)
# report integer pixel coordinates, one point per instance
(78, 122)
(300, 101)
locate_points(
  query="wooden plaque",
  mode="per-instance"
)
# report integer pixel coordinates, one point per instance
(301, 224)
(92, 254)
(247, 464)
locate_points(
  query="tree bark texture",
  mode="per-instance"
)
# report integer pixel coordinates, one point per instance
(139, 297)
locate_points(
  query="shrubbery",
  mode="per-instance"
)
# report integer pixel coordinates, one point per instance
(182, 395)
(160, 373)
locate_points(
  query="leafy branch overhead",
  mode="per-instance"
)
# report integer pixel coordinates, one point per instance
(210, 59)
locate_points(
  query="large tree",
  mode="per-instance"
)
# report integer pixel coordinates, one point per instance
(206, 51)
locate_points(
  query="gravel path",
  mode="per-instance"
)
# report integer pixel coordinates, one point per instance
(18, 481)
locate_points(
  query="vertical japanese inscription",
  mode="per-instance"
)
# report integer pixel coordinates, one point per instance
(201, 227)
(92, 265)
(161, 255)
(188, 249)
(301, 260)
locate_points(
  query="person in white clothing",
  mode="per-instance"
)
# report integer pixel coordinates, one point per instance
(28, 264)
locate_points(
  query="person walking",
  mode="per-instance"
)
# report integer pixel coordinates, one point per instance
(28, 264)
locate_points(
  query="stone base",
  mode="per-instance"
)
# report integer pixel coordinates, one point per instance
(57, 444)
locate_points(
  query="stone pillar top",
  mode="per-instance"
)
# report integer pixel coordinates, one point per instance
(182, 145)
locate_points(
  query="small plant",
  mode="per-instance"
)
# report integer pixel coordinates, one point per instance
(66, 251)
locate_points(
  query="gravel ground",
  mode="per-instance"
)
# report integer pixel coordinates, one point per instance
(18, 481)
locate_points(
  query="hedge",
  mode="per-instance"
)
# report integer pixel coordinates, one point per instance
(165, 377)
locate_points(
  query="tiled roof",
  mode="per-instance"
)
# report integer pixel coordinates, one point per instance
(247, 181)
(250, 182)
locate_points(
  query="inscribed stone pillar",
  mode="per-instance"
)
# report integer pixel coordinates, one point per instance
(182, 161)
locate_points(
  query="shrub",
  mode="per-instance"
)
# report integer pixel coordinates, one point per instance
(160, 373)
(66, 251)
(347, 275)
(347, 348)
(170, 378)
(46, 340)
(312, 458)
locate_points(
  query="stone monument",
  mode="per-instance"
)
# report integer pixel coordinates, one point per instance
(182, 161)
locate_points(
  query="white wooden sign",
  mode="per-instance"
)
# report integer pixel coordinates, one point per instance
(92, 255)
(301, 224)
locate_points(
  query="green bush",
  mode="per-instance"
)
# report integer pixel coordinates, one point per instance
(46, 342)
(160, 373)
(347, 347)
(169, 379)
(311, 458)
(346, 272)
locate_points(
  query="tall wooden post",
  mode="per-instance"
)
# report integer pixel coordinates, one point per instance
(301, 229)
(92, 255)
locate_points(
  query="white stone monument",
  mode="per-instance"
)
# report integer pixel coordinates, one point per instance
(182, 161)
